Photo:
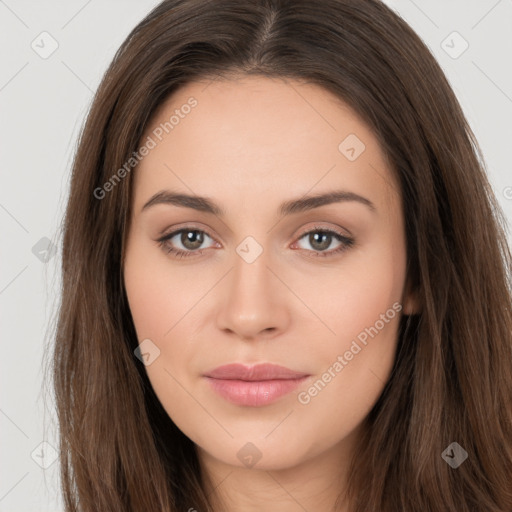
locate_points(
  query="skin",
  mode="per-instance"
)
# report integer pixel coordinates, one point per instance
(250, 144)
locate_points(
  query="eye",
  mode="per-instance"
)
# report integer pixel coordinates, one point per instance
(191, 240)
(320, 239)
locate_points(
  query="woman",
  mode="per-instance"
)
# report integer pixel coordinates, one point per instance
(284, 273)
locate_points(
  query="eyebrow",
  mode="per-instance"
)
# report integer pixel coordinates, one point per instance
(302, 204)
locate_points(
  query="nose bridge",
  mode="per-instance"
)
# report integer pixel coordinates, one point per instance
(250, 273)
(252, 303)
(251, 280)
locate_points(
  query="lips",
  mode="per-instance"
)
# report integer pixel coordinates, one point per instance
(258, 372)
(257, 385)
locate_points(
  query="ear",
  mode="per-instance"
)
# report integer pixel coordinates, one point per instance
(411, 301)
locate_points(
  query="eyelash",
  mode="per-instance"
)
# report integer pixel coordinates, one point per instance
(347, 243)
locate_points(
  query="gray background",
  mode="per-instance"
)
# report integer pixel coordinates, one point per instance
(44, 99)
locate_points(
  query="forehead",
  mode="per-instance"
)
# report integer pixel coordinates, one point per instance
(254, 136)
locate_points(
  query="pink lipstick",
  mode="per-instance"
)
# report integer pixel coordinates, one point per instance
(254, 386)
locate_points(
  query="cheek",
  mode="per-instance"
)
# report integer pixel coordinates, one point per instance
(162, 303)
(362, 309)
(159, 295)
(354, 366)
(354, 297)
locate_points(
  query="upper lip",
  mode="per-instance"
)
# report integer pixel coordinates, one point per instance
(259, 372)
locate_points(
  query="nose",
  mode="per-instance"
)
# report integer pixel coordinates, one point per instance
(253, 300)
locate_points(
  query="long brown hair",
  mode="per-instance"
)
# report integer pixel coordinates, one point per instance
(452, 378)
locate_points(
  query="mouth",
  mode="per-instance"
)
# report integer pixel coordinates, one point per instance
(254, 386)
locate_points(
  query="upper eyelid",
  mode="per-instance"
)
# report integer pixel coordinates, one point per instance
(178, 230)
(325, 228)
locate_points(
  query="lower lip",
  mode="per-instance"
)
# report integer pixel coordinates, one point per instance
(254, 393)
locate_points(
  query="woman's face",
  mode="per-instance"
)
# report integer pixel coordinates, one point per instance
(269, 275)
